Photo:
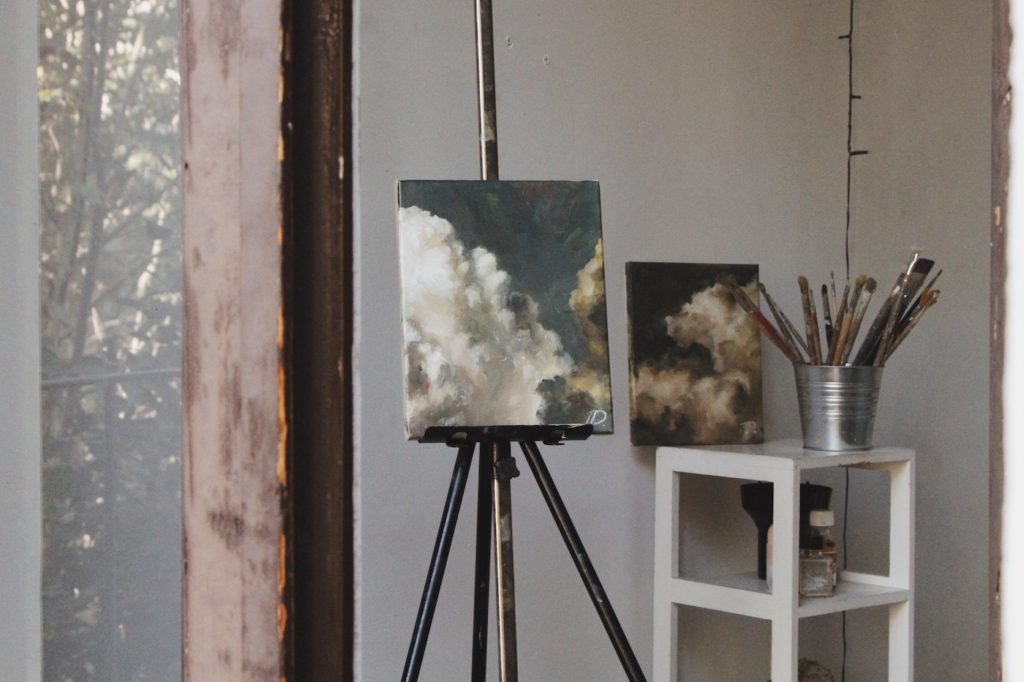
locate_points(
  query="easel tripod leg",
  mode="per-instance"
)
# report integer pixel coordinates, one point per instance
(482, 580)
(438, 559)
(582, 561)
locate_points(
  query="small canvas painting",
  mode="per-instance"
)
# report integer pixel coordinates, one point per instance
(694, 355)
(503, 304)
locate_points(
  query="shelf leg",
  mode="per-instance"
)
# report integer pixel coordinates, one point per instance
(901, 533)
(901, 570)
(784, 647)
(901, 642)
(785, 575)
(666, 640)
(666, 567)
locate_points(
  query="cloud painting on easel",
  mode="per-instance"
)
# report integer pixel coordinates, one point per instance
(694, 356)
(503, 304)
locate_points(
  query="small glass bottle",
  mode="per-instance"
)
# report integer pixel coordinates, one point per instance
(821, 522)
(818, 558)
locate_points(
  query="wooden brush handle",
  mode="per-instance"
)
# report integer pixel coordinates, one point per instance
(842, 315)
(783, 323)
(890, 323)
(929, 299)
(866, 354)
(766, 327)
(810, 320)
(835, 351)
(826, 313)
(859, 312)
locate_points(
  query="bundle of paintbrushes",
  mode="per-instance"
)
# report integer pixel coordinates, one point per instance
(843, 316)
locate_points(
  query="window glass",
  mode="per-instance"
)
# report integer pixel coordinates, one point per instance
(110, 295)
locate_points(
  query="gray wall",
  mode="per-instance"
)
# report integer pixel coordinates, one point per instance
(717, 131)
(20, 504)
(927, 66)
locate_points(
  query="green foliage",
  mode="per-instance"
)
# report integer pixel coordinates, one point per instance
(111, 304)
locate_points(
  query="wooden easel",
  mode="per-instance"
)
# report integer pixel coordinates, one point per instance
(497, 469)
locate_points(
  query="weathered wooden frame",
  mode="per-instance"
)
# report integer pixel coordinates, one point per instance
(318, 336)
(267, 513)
(1001, 108)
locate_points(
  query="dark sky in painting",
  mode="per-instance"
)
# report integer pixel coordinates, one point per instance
(661, 288)
(542, 234)
(694, 356)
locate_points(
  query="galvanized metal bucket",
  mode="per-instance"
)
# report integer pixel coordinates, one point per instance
(837, 405)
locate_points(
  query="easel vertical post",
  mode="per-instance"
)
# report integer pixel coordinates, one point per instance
(501, 497)
(504, 471)
(486, 91)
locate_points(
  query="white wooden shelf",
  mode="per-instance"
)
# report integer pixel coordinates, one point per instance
(781, 463)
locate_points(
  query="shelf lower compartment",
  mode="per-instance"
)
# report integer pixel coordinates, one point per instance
(745, 594)
(852, 594)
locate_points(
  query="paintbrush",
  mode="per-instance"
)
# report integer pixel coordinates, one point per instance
(753, 311)
(835, 303)
(914, 257)
(810, 320)
(794, 342)
(815, 330)
(910, 311)
(927, 300)
(862, 298)
(916, 273)
(844, 302)
(826, 312)
(869, 347)
(932, 282)
(890, 324)
(784, 322)
(842, 319)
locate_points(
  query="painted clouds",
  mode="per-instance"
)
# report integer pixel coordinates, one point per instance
(477, 351)
(695, 356)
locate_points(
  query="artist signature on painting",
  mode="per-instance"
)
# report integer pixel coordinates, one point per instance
(597, 417)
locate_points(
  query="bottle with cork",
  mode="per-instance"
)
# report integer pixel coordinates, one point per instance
(819, 558)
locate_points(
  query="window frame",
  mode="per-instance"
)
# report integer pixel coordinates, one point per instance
(267, 590)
